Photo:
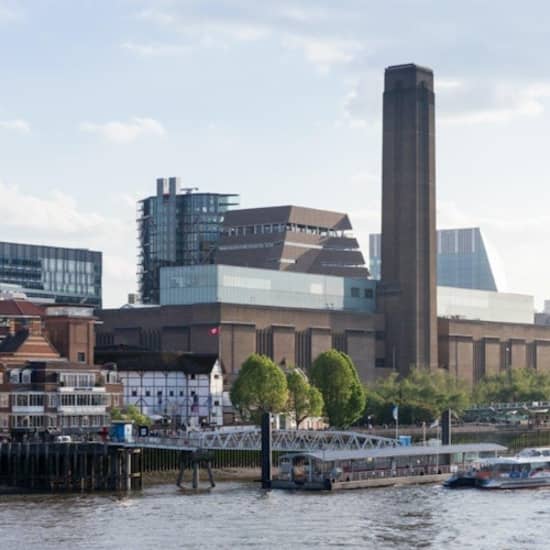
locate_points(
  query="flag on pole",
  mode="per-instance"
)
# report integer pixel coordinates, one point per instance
(395, 412)
(435, 423)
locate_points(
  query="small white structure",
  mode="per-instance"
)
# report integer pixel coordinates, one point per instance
(185, 388)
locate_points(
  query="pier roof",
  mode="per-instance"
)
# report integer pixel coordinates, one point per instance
(400, 451)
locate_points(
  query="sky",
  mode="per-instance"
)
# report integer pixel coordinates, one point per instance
(279, 101)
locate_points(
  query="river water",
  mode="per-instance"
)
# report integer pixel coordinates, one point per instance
(241, 515)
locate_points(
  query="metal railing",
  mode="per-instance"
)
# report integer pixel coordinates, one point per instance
(283, 440)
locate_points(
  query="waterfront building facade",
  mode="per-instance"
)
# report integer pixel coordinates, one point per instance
(52, 274)
(185, 388)
(462, 259)
(263, 297)
(177, 227)
(291, 238)
(42, 391)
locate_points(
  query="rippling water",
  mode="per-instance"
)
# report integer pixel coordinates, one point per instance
(240, 515)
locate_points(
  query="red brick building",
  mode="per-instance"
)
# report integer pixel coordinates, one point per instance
(48, 380)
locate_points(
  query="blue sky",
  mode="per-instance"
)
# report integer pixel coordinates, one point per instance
(279, 101)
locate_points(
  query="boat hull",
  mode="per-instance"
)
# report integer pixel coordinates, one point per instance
(329, 485)
(515, 484)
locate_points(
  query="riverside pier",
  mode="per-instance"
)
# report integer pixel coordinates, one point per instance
(69, 467)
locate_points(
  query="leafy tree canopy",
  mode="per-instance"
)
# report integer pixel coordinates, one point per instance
(513, 385)
(334, 373)
(304, 400)
(260, 387)
(130, 413)
(422, 396)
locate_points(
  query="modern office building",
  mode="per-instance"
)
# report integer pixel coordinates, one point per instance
(51, 273)
(543, 317)
(462, 259)
(177, 227)
(291, 238)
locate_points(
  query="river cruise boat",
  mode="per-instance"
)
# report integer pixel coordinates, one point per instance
(332, 470)
(529, 468)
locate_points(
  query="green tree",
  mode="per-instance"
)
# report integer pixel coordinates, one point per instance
(513, 385)
(260, 387)
(422, 396)
(303, 399)
(130, 413)
(334, 373)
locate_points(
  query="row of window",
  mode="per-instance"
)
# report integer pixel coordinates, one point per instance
(53, 400)
(268, 228)
(51, 421)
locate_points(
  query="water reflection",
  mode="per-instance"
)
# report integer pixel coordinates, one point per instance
(240, 515)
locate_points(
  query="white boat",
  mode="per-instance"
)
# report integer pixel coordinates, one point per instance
(529, 468)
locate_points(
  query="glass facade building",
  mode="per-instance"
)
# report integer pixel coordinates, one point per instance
(177, 227)
(462, 259)
(227, 284)
(50, 273)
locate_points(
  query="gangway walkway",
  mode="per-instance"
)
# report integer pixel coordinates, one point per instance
(282, 440)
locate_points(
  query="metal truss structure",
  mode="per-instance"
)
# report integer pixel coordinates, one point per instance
(283, 440)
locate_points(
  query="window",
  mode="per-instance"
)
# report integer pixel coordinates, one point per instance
(369, 293)
(134, 393)
(181, 394)
(192, 393)
(81, 357)
(147, 393)
(216, 403)
(354, 292)
(159, 393)
(171, 393)
(380, 335)
(4, 400)
(193, 377)
(380, 363)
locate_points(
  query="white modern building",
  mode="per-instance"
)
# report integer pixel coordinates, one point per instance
(485, 305)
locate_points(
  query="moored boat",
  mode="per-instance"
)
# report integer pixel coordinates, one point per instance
(528, 469)
(375, 467)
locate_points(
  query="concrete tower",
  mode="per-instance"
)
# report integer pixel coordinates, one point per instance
(408, 289)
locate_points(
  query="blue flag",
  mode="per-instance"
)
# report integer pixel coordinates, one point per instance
(395, 412)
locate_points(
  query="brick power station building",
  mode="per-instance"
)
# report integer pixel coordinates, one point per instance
(291, 282)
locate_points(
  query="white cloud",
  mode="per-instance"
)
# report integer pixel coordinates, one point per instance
(293, 26)
(324, 52)
(10, 12)
(207, 30)
(362, 104)
(155, 49)
(125, 132)
(18, 125)
(505, 103)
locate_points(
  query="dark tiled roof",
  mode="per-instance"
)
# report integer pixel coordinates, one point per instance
(12, 343)
(135, 359)
(20, 308)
